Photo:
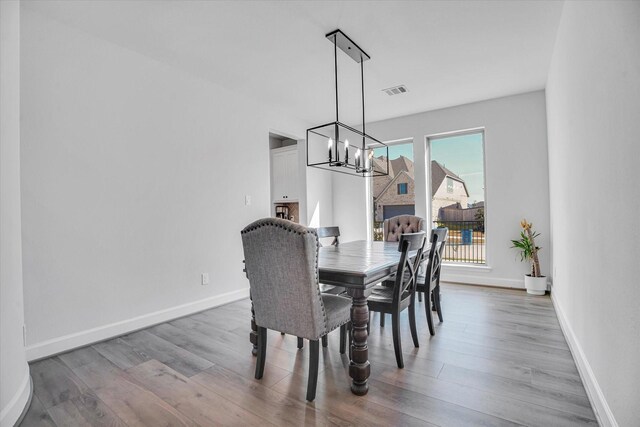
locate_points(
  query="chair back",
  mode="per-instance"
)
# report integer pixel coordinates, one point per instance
(281, 262)
(434, 259)
(329, 232)
(398, 225)
(443, 235)
(407, 273)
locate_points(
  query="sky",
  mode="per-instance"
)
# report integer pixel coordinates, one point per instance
(462, 155)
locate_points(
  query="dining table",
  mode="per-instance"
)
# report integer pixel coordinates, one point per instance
(357, 266)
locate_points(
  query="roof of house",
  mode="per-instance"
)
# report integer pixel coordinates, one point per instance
(439, 173)
(396, 166)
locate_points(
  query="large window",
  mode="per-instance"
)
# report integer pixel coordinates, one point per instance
(394, 194)
(457, 194)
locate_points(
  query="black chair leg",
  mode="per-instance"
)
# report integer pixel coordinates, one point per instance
(434, 307)
(282, 333)
(300, 342)
(412, 324)
(436, 301)
(343, 339)
(427, 310)
(419, 296)
(382, 320)
(397, 345)
(325, 342)
(314, 354)
(262, 351)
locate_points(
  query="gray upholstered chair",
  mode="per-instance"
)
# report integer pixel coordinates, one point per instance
(396, 226)
(281, 260)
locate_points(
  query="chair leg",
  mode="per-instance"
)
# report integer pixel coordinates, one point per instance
(427, 310)
(314, 353)
(382, 320)
(397, 345)
(343, 338)
(434, 307)
(262, 351)
(282, 333)
(300, 342)
(436, 301)
(419, 296)
(412, 324)
(325, 342)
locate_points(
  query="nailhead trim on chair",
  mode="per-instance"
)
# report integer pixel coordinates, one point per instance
(301, 230)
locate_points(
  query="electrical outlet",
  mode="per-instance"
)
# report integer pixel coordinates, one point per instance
(205, 279)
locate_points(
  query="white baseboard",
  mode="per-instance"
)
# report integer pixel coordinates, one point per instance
(472, 279)
(17, 406)
(604, 415)
(79, 339)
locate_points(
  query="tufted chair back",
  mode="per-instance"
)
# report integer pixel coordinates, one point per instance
(282, 266)
(401, 224)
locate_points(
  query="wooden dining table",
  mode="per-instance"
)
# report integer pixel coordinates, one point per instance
(356, 266)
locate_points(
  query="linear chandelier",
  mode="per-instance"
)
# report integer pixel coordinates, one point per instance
(341, 148)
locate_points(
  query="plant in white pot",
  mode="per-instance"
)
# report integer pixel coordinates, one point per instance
(535, 282)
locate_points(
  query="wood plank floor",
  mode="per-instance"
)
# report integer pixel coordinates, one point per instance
(499, 358)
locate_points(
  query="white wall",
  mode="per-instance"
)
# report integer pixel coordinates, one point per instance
(516, 176)
(316, 203)
(350, 206)
(593, 108)
(15, 385)
(134, 175)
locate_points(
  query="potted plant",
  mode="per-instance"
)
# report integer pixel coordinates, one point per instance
(535, 282)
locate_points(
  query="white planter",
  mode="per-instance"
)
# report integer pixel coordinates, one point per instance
(535, 285)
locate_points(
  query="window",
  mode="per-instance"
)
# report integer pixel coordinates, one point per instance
(390, 193)
(457, 194)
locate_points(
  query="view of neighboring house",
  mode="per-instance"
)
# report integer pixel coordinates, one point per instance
(394, 194)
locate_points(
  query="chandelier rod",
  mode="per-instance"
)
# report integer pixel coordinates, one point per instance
(364, 131)
(335, 62)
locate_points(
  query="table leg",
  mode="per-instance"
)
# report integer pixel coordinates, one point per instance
(359, 368)
(253, 335)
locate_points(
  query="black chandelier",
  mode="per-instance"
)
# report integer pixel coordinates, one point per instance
(339, 147)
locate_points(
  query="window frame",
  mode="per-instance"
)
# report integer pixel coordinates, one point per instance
(487, 228)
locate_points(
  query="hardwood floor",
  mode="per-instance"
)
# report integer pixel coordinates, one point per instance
(499, 358)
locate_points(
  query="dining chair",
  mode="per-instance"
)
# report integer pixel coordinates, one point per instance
(324, 232)
(281, 260)
(443, 235)
(426, 282)
(334, 232)
(394, 299)
(396, 226)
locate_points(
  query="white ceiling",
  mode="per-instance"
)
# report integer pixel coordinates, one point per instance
(446, 53)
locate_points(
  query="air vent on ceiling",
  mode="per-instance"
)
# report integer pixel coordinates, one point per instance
(396, 90)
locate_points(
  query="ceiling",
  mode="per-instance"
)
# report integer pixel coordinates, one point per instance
(446, 53)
